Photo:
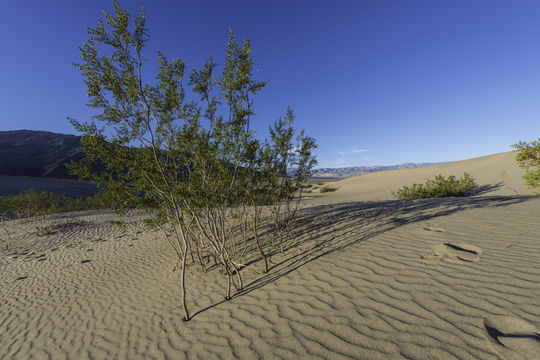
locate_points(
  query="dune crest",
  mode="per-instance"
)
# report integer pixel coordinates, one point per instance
(495, 174)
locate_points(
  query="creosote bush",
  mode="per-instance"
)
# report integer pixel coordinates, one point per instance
(30, 203)
(327, 188)
(528, 158)
(38, 206)
(195, 167)
(439, 187)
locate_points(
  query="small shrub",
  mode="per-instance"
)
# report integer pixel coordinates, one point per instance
(320, 183)
(104, 199)
(528, 158)
(327, 188)
(30, 203)
(117, 223)
(46, 229)
(439, 187)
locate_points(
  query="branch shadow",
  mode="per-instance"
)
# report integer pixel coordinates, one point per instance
(484, 189)
(324, 229)
(496, 334)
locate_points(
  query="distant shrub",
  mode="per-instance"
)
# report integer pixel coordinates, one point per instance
(30, 203)
(102, 200)
(118, 223)
(440, 187)
(327, 188)
(528, 158)
(320, 183)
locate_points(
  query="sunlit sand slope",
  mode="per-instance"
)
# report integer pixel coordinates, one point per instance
(496, 174)
(454, 278)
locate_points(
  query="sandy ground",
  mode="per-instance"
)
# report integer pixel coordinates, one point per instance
(368, 278)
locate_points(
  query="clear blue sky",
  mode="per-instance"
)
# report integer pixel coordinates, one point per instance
(375, 82)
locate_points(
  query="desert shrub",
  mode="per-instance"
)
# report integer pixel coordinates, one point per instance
(439, 187)
(104, 199)
(118, 223)
(528, 158)
(38, 206)
(30, 203)
(201, 176)
(327, 188)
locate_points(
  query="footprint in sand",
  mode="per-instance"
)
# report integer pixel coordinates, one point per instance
(434, 229)
(464, 252)
(515, 334)
(455, 250)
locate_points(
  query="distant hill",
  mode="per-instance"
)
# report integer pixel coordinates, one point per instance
(345, 172)
(37, 153)
(44, 154)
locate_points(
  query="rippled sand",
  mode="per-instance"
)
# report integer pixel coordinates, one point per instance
(368, 278)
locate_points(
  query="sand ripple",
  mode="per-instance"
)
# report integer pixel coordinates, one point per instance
(448, 279)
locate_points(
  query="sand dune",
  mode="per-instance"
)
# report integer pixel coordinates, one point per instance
(368, 278)
(498, 175)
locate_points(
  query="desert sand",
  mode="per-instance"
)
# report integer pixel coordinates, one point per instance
(369, 277)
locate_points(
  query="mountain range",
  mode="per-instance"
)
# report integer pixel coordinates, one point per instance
(44, 154)
(345, 172)
(37, 153)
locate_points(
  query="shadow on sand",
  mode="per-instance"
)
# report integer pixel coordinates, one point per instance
(325, 229)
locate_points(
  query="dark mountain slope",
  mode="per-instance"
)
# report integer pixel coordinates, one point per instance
(44, 154)
(37, 153)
